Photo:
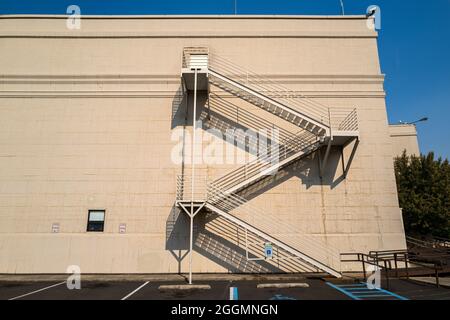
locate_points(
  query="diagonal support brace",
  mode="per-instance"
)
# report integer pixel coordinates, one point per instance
(350, 160)
(188, 212)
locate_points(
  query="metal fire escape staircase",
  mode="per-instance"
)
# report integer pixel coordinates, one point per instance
(320, 127)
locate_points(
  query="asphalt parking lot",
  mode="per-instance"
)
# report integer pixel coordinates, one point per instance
(220, 290)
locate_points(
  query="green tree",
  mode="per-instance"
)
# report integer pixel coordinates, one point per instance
(423, 185)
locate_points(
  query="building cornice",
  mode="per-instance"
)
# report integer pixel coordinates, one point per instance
(140, 17)
(197, 26)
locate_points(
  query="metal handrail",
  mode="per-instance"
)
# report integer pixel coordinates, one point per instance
(239, 207)
(344, 119)
(338, 119)
(434, 243)
(184, 188)
(302, 142)
(389, 257)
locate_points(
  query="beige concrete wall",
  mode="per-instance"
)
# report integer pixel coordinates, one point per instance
(404, 137)
(86, 119)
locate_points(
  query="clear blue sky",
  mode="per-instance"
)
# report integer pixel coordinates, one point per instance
(414, 45)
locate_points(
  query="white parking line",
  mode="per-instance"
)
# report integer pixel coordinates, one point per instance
(133, 292)
(33, 292)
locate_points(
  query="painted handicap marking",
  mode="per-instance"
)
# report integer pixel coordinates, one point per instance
(281, 297)
(362, 292)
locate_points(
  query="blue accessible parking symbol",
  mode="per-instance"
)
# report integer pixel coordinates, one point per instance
(268, 250)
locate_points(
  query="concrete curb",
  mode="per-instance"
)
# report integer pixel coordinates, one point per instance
(185, 287)
(443, 282)
(154, 277)
(282, 285)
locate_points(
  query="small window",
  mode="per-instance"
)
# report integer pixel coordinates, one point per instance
(96, 221)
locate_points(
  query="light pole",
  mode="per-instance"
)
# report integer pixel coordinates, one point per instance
(420, 120)
(417, 121)
(194, 138)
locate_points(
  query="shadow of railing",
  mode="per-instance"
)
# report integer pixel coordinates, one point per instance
(224, 242)
(179, 108)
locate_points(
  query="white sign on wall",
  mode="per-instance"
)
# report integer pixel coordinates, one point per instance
(123, 228)
(55, 228)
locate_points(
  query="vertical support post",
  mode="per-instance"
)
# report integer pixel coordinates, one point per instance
(191, 229)
(364, 268)
(437, 275)
(387, 274)
(246, 244)
(396, 266)
(406, 264)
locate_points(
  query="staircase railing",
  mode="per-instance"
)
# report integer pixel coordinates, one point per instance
(344, 119)
(280, 229)
(185, 192)
(433, 244)
(339, 119)
(250, 259)
(268, 87)
(304, 142)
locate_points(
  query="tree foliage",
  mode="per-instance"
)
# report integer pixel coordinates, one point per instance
(423, 185)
